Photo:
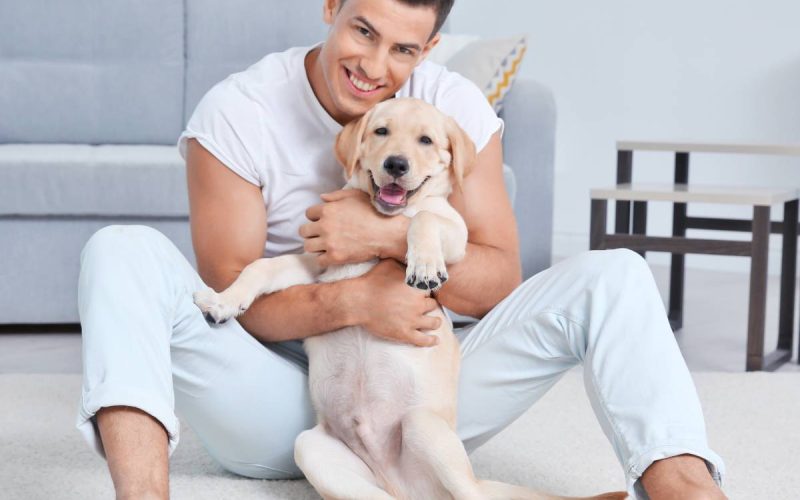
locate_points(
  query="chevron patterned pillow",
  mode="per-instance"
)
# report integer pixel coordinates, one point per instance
(492, 64)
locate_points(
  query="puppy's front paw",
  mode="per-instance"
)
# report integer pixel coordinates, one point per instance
(426, 271)
(216, 307)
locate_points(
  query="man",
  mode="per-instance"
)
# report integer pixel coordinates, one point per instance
(259, 153)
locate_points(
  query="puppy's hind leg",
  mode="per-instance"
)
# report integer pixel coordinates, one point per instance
(429, 440)
(333, 469)
(262, 276)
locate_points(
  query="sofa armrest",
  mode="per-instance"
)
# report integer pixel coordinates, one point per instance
(529, 113)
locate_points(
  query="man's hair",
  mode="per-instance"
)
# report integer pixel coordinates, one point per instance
(442, 8)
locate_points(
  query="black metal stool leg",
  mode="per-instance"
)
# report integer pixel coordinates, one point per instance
(758, 289)
(597, 230)
(788, 275)
(677, 265)
(640, 220)
(622, 212)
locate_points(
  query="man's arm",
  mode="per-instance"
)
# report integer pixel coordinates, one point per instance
(491, 268)
(229, 230)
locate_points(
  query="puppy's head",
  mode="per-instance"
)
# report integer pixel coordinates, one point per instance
(402, 151)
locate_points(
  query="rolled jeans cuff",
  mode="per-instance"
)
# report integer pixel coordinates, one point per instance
(99, 397)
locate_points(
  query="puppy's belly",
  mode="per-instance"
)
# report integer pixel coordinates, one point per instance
(361, 387)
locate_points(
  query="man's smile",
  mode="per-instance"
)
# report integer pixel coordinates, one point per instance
(360, 87)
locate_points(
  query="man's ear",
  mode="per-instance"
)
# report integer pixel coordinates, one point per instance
(329, 10)
(349, 141)
(462, 151)
(429, 46)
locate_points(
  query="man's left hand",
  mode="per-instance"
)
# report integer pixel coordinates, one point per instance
(346, 229)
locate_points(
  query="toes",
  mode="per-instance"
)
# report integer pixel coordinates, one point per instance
(212, 320)
(424, 281)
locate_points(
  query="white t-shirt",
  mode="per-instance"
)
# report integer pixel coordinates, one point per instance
(266, 124)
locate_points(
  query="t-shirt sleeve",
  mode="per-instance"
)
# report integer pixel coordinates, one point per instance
(228, 124)
(464, 101)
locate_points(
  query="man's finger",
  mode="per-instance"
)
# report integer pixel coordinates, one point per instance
(309, 230)
(429, 323)
(313, 245)
(430, 305)
(423, 339)
(341, 194)
(322, 260)
(313, 213)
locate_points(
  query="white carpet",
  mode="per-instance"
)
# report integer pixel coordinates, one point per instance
(753, 421)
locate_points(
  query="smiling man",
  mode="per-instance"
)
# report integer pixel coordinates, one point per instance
(263, 180)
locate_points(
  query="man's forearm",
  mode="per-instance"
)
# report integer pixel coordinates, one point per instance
(301, 311)
(484, 277)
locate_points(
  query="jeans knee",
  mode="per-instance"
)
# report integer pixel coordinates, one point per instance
(619, 265)
(117, 239)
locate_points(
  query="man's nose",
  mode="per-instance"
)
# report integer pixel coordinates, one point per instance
(397, 166)
(373, 66)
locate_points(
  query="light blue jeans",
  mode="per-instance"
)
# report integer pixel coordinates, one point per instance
(146, 345)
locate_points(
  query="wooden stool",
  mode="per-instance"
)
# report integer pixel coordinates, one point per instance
(756, 249)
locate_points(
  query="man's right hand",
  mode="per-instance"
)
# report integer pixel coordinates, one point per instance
(391, 309)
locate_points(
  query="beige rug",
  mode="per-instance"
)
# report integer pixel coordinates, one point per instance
(753, 421)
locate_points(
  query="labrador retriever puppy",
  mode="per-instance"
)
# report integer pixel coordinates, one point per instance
(386, 411)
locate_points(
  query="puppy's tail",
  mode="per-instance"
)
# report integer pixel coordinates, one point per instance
(502, 491)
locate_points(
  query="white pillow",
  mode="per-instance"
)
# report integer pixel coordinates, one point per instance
(491, 64)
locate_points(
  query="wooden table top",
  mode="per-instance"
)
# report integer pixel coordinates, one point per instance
(684, 193)
(699, 147)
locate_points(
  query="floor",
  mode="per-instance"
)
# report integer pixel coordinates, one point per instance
(712, 338)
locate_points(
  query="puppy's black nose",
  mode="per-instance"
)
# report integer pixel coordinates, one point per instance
(397, 166)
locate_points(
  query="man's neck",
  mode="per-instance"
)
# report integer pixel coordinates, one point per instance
(316, 79)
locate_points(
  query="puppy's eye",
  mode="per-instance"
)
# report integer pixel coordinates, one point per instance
(381, 131)
(425, 140)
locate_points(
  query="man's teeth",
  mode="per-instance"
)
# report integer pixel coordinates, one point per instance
(366, 87)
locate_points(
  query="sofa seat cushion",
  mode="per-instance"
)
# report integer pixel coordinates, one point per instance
(108, 180)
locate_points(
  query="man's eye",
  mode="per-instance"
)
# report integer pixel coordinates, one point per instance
(363, 31)
(381, 131)
(425, 140)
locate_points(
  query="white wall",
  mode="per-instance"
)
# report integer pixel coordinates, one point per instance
(706, 70)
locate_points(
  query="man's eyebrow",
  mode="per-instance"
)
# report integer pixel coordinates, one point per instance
(372, 28)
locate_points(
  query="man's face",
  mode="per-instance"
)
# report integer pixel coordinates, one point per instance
(370, 52)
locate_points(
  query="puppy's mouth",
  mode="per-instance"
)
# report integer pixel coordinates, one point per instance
(393, 197)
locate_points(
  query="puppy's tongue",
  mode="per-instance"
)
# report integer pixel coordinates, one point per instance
(392, 194)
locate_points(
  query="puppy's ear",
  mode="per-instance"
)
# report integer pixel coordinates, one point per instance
(348, 143)
(462, 151)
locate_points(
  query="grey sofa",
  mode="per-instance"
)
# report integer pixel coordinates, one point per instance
(93, 96)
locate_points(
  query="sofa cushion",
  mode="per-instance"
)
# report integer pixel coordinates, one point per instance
(69, 179)
(91, 71)
(221, 41)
